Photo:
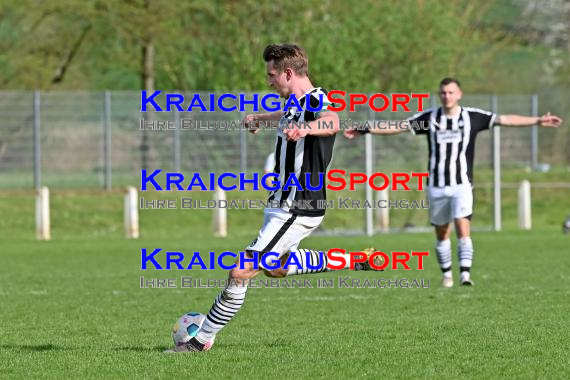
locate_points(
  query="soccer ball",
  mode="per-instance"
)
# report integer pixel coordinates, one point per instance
(187, 327)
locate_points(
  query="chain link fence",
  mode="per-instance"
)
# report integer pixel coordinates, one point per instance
(94, 139)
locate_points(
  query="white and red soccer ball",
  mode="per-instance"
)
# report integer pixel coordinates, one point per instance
(187, 327)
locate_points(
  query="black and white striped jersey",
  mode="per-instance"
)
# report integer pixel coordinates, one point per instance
(451, 143)
(310, 154)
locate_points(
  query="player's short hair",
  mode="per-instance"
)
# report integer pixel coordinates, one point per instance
(287, 56)
(448, 80)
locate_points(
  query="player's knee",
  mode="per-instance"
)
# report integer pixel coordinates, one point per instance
(275, 273)
(442, 232)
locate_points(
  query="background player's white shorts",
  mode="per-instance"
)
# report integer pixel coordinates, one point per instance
(450, 202)
(282, 232)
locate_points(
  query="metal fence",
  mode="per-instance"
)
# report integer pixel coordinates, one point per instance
(93, 139)
(90, 140)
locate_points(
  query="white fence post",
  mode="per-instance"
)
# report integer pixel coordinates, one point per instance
(496, 138)
(42, 214)
(369, 157)
(525, 217)
(37, 142)
(534, 135)
(131, 213)
(107, 147)
(383, 214)
(220, 214)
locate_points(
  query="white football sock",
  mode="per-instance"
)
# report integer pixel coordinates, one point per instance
(443, 252)
(465, 254)
(226, 305)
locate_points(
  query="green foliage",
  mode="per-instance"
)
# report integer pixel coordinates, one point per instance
(217, 45)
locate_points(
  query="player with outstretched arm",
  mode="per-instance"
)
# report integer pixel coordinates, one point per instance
(451, 131)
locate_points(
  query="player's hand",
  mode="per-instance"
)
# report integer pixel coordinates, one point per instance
(351, 133)
(549, 121)
(251, 123)
(294, 133)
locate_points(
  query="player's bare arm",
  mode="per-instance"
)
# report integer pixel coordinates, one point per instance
(251, 121)
(547, 121)
(294, 133)
(381, 128)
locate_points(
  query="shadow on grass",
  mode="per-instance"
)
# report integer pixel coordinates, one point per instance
(253, 346)
(52, 347)
(33, 348)
(236, 345)
(142, 349)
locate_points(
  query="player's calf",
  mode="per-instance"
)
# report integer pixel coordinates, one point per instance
(465, 254)
(243, 271)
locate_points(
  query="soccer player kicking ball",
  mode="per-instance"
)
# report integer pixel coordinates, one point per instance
(297, 151)
(451, 131)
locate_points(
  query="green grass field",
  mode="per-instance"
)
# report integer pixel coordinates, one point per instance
(73, 308)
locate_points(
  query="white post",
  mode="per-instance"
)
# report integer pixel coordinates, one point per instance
(220, 214)
(369, 158)
(496, 137)
(525, 218)
(131, 213)
(383, 214)
(42, 214)
(534, 135)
